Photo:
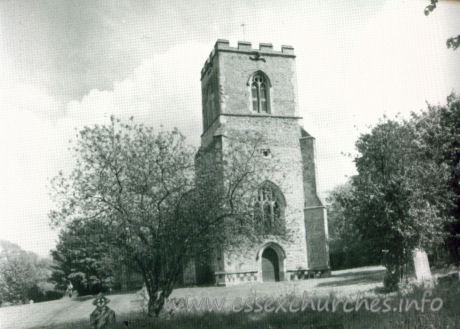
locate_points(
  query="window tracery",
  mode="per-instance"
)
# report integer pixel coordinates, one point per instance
(260, 93)
(269, 209)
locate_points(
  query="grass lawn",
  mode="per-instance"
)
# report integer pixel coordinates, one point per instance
(74, 313)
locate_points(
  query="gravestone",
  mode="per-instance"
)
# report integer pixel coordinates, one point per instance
(103, 316)
(421, 266)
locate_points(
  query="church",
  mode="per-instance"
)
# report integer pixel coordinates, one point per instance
(245, 89)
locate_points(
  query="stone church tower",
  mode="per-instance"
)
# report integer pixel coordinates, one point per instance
(255, 90)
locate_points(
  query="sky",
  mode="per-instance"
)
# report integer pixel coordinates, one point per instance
(67, 64)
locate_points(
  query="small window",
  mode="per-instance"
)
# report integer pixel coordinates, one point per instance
(260, 87)
(266, 153)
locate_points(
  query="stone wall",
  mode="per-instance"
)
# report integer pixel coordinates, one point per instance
(316, 235)
(283, 167)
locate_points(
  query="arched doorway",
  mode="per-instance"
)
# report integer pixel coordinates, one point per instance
(270, 265)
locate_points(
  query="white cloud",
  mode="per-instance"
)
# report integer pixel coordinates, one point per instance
(29, 152)
(34, 137)
(163, 90)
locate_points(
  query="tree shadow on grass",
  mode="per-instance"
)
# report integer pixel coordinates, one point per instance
(358, 273)
(363, 278)
(83, 298)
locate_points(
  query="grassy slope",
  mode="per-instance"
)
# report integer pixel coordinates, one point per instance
(343, 283)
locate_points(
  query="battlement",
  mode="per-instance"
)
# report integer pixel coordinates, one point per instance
(245, 47)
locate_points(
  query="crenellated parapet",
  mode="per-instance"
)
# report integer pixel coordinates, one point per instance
(245, 47)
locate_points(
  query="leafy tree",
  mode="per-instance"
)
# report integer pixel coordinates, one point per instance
(346, 247)
(452, 42)
(142, 187)
(84, 258)
(407, 191)
(380, 196)
(438, 130)
(401, 195)
(20, 273)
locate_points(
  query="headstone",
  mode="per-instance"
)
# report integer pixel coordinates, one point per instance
(421, 266)
(103, 316)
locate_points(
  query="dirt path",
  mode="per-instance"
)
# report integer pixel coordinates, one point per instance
(341, 283)
(60, 311)
(26, 316)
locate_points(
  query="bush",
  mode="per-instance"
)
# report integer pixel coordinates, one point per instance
(90, 285)
(43, 292)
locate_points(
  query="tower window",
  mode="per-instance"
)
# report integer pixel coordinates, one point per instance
(269, 209)
(260, 87)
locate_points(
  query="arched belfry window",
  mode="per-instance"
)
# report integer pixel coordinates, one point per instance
(260, 92)
(269, 207)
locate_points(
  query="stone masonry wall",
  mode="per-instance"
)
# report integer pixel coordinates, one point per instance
(316, 233)
(281, 137)
(315, 213)
(235, 94)
(230, 69)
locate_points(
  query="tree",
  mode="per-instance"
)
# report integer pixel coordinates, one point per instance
(380, 198)
(346, 247)
(20, 273)
(452, 42)
(401, 195)
(156, 213)
(407, 191)
(84, 258)
(438, 129)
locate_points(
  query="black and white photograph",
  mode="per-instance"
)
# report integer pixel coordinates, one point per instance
(211, 164)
